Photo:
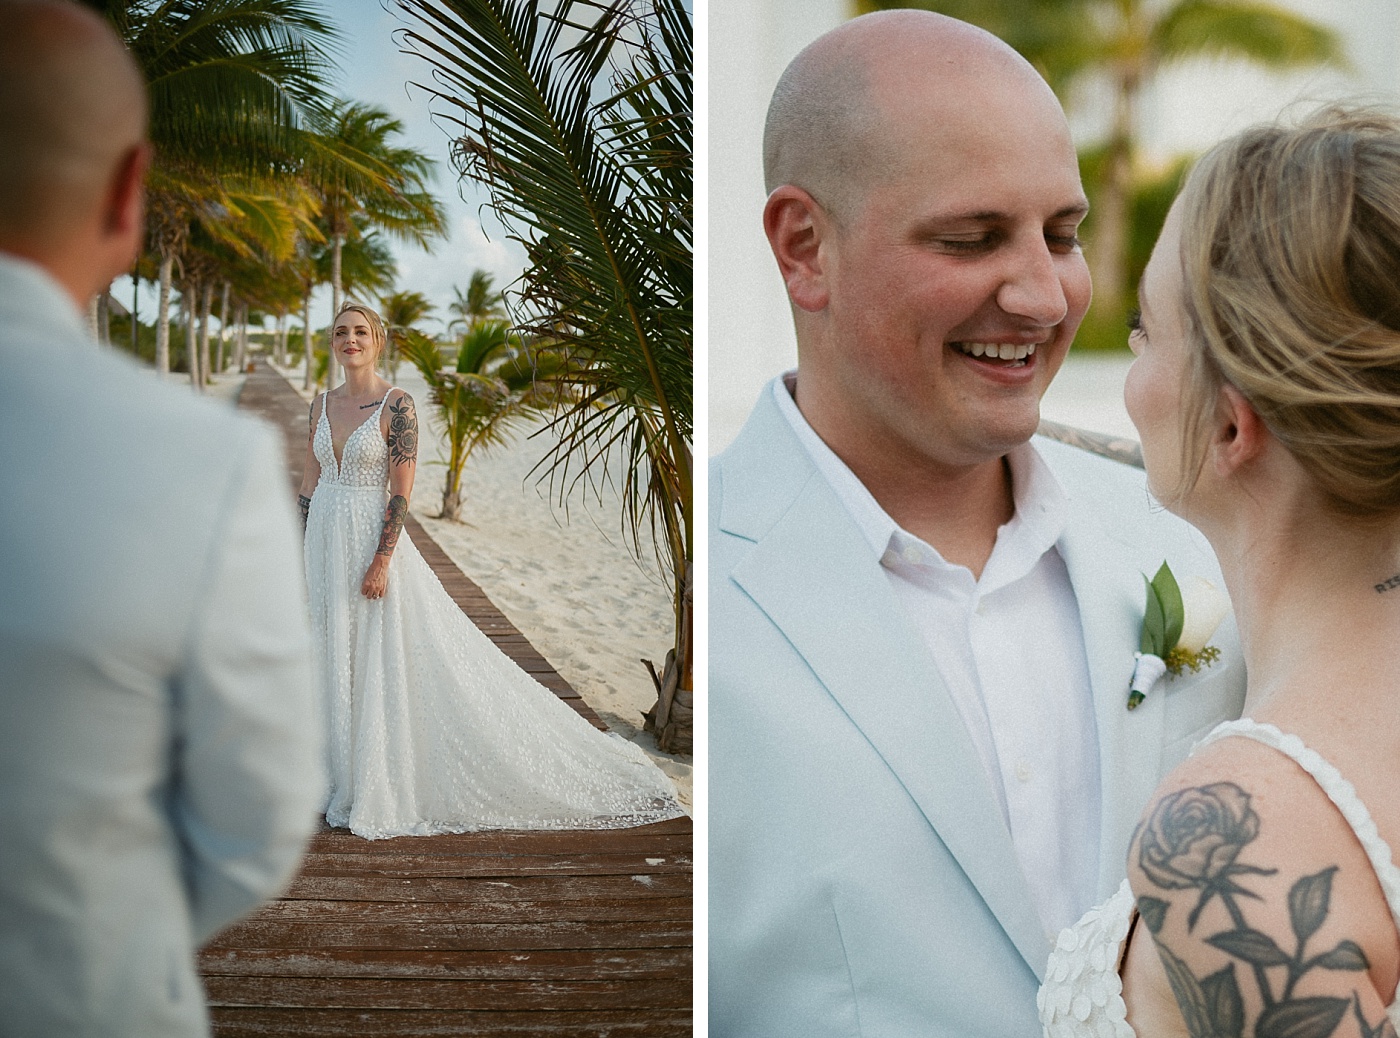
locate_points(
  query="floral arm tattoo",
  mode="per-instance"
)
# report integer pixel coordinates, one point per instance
(393, 523)
(1192, 842)
(304, 506)
(403, 431)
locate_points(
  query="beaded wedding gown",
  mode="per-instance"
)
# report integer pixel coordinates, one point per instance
(1082, 996)
(431, 728)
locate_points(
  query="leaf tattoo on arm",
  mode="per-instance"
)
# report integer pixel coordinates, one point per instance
(304, 506)
(1193, 841)
(403, 431)
(394, 514)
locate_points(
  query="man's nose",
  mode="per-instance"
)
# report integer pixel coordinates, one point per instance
(1032, 286)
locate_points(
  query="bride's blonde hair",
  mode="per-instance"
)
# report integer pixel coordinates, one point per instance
(376, 324)
(1290, 251)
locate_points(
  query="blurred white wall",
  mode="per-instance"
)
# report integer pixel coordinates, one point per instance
(751, 41)
(751, 339)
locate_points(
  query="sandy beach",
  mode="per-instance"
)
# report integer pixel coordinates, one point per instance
(563, 577)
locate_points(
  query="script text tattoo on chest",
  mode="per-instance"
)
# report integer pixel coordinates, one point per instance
(1388, 585)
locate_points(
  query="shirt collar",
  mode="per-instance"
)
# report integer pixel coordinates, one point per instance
(874, 524)
(1034, 528)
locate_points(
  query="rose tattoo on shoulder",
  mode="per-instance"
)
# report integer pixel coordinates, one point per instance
(1193, 841)
(403, 431)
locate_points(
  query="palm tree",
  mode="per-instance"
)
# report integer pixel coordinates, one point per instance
(477, 304)
(401, 312)
(1130, 41)
(230, 81)
(367, 268)
(576, 115)
(496, 384)
(365, 181)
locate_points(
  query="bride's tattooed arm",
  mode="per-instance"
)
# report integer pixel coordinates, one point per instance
(1246, 943)
(403, 431)
(393, 523)
(311, 470)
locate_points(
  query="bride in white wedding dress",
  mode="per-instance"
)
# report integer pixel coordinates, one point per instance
(431, 728)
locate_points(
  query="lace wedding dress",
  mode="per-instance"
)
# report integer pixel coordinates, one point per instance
(1082, 996)
(431, 728)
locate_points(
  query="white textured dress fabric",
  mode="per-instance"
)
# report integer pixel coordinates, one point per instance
(431, 728)
(1082, 996)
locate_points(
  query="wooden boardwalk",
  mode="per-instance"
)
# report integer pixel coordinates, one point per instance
(558, 934)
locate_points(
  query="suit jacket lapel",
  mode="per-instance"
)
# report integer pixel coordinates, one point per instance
(1108, 585)
(812, 574)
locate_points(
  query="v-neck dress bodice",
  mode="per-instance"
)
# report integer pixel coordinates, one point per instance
(431, 728)
(364, 457)
(1082, 996)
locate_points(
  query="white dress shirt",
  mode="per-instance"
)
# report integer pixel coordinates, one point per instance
(1010, 649)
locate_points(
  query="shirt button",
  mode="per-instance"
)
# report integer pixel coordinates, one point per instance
(913, 554)
(1023, 772)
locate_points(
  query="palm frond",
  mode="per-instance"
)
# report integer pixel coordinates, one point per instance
(1260, 32)
(577, 119)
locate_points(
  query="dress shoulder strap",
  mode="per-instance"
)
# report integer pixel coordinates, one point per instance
(380, 411)
(1341, 792)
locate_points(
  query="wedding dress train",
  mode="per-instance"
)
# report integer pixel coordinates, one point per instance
(431, 728)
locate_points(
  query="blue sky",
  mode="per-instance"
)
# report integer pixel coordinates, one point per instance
(373, 70)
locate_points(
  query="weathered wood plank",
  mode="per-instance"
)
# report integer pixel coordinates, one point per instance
(514, 995)
(490, 865)
(258, 932)
(498, 889)
(337, 1023)
(486, 911)
(517, 964)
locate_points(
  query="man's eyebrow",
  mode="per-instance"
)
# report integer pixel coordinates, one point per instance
(1078, 209)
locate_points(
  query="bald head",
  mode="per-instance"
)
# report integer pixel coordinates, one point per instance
(72, 105)
(841, 107)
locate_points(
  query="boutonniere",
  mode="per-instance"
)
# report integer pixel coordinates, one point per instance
(1175, 628)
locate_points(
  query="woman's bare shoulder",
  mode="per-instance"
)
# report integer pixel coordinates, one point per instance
(1266, 912)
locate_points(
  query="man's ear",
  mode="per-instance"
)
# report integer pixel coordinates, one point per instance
(124, 209)
(1239, 434)
(796, 225)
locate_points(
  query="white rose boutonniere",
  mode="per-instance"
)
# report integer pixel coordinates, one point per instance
(1176, 626)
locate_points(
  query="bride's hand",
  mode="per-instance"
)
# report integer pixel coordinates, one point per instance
(376, 577)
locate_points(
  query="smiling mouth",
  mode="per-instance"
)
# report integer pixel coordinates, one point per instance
(1011, 355)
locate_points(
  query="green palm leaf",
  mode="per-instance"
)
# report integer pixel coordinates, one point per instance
(1259, 32)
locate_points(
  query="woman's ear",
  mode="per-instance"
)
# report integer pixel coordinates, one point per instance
(1239, 435)
(796, 225)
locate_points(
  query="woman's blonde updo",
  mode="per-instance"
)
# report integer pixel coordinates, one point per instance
(1291, 261)
(376, 324)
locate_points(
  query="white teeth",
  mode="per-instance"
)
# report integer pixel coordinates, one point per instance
(997, 351)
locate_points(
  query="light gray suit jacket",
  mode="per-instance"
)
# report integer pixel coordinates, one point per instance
(862, 879)
(160, 757)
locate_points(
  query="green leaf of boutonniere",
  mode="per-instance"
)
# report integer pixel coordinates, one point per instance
(1154, 624)
(1169, 595)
